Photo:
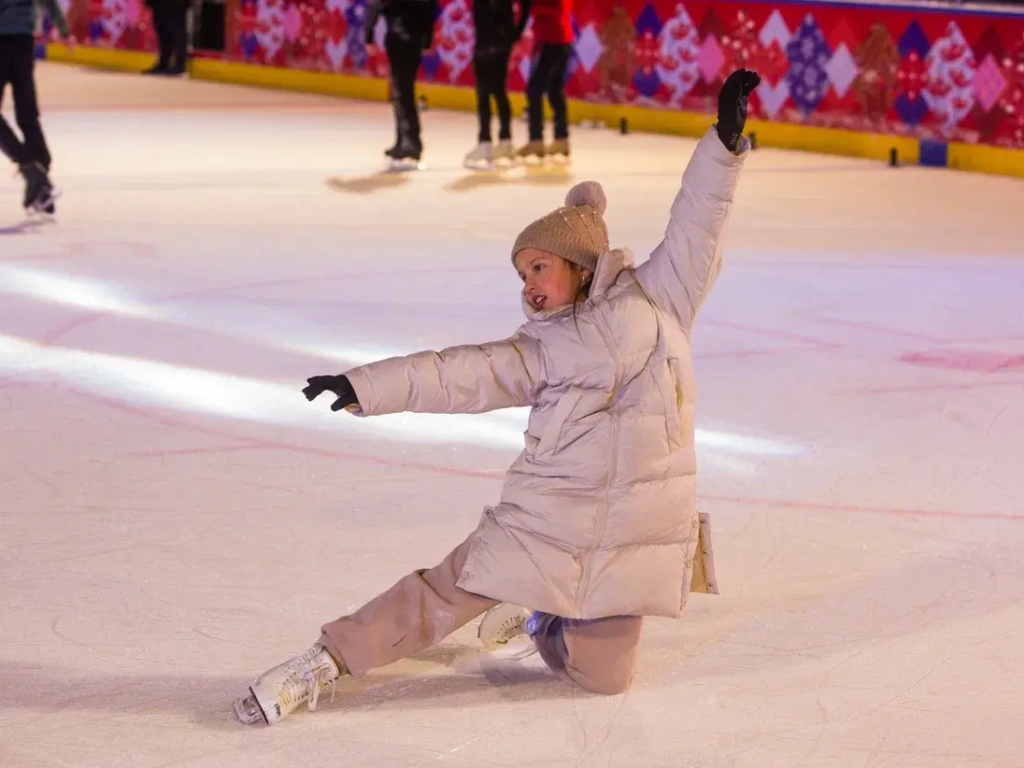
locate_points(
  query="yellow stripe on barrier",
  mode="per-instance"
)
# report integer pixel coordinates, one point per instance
(101, 58)
(982, 158)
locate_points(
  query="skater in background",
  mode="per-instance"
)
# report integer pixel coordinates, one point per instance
(17, 69)
(496, 31)
(597, 525)
(410, 31)
(170, 22)
(549, 66)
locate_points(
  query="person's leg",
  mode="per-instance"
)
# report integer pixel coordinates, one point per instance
(421, 609)
(404, 62)
(555, 87)
(17, 67)
(10, 144)
(163, 39)
(417, 612)
(483, 63)
(499, 89)
(26, 102)
(177, 38)
(540, 73)
(598, 655)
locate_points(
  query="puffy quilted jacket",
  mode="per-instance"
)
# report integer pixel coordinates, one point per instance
(598, 514)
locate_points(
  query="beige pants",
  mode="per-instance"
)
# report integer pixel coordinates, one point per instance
(425, 607)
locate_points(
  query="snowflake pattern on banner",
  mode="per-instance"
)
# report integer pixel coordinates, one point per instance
(648, 29)
(113, 22)
(678, 53)
(808, 55)
(950, 67)
(454, 37)
(270, 28)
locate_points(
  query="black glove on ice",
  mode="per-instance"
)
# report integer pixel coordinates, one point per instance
(732, 106)
(337, 385)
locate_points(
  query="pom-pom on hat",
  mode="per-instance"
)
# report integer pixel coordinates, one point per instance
(576, 231)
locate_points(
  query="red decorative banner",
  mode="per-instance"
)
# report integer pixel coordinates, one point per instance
(954, 75)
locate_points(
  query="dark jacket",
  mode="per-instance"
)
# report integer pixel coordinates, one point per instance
(495, 25)
(408, 20)
(18, 17)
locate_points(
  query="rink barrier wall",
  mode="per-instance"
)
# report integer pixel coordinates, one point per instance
(791, 136)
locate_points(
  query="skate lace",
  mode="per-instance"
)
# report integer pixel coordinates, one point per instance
(311, 676)
(511, 627)
(319, 679)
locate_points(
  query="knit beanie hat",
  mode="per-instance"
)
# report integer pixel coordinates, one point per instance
(576, 231)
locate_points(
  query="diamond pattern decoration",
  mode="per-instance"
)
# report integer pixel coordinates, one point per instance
(710, 59)
(808, 55)
(914, 40)
(841, 70)
(989, 44)
(842, 33)
(951, 69)
(775, 31)
(711, 25)
(648, 27)
(988, 83)
(911, 111)
(989, 122)
(678, 47)
(588, 48)
(773, 97)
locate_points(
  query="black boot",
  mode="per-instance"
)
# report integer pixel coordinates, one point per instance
(38, 189)
(406, 150)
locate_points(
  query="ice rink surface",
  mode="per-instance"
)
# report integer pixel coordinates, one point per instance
(175, 518)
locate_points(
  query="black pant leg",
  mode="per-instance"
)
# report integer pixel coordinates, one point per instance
(177, 37)
(500, 91)
(164, 42)
(560, 56)
(482, 65)
(10, 144)
(404, 62)
(26, 102)
(545, 59)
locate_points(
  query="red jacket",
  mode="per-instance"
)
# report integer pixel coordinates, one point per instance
(552, 21)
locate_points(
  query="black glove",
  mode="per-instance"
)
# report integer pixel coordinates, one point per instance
(732, 106)
(337, 385)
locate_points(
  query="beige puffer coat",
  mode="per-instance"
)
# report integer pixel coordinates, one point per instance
(598, 513)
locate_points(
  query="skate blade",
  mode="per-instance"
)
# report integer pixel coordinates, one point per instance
(404, 166)
(248, 711)
(38, 208)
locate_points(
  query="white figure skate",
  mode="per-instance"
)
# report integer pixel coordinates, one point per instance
(281, 690)
(502, 624)
(481, 158)
(505, 153)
